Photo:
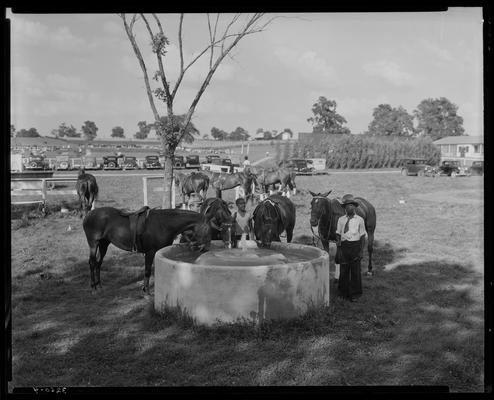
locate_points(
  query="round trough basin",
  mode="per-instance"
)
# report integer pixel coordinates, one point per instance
(226, 285)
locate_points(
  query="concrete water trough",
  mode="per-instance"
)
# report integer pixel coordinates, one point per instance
(225, 285)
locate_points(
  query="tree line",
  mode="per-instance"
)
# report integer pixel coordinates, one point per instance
(434, 118)
(89, 130)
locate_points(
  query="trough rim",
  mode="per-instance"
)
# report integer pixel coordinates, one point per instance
(323, 255)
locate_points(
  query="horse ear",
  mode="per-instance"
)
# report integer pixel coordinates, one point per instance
(312, 194)
(327, 193)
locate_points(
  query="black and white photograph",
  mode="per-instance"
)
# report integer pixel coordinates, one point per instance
(246, 200)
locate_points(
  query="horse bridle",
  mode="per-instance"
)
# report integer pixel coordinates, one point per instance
(275, 206)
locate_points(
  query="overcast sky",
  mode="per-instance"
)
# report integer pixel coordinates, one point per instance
(76, 67)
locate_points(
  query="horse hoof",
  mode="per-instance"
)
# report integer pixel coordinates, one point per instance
(369, 273)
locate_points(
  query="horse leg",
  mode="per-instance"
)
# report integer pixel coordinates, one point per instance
(218, 193)
(370, 248)
(148, 262)
(93, 248)
(81, 205)
(289, 234)
(102, 247)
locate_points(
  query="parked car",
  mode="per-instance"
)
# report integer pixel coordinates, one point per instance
(111, 162)
(211, 157)
(62, 163)
(179, 162)
(297, 164)
(36, 163)
(414, 166)
(76, 163)
(152, 162)
(130, 162)
(192, 162)
(452, 168)
(477, 168)
(319, 164)
(91, 163)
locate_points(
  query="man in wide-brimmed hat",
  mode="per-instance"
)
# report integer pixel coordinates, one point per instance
(350, 234)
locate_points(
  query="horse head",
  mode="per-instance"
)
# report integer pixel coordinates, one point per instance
(82, 171)
(265, 224)
(317, 205)
(219, 217)
(201, 237)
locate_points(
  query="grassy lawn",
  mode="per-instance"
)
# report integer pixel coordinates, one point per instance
(420, 320)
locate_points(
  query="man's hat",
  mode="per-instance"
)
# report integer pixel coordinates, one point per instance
(348, 199)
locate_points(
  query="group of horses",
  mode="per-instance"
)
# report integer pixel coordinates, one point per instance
(249, 180)
(148, 230)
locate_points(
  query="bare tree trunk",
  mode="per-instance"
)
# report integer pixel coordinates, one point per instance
(168, 180)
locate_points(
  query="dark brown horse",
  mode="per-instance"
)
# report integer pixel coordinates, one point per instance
(284, 176)
(87, 190)
(325, 213)
(145, 231)
(271, 217)
(219, 217)
(223, 181)
(196, 182)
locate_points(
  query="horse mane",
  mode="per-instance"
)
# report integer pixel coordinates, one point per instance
(262, 204)
(215, 200)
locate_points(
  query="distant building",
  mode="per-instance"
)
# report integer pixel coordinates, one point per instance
(463, 148)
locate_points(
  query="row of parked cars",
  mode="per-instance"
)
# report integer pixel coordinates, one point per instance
(66, 163)
(452, 168)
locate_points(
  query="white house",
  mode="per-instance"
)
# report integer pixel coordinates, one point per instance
(463, 148)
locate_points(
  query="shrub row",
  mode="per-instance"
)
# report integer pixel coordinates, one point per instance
(359, 151)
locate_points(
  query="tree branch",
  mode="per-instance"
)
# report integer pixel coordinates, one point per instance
(128, 30)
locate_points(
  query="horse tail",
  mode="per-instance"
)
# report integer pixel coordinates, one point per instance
(93, 192)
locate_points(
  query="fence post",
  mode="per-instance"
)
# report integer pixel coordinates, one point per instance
(145, 189)
(43, 194)
(173, 193)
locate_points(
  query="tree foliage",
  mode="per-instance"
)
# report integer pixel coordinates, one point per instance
(178, 121)
(65, 131)
(239, 134)
(438, 118)
(117, 132)
(31, 132)
(218, 134)
(89, 130)
(389, 121)
(144, 130)
(326, 119)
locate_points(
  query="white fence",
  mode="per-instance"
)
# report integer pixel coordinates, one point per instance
(40, 187)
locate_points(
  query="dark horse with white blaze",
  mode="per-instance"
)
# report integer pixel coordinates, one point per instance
(325, 213)
(220, 218)
(271, 217)
(145, 231)
(87, 190)
(196, 182)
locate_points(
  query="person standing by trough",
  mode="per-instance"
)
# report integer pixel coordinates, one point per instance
(350, 235)
(243, 220)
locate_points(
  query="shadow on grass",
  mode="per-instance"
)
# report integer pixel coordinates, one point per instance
(416, 324)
